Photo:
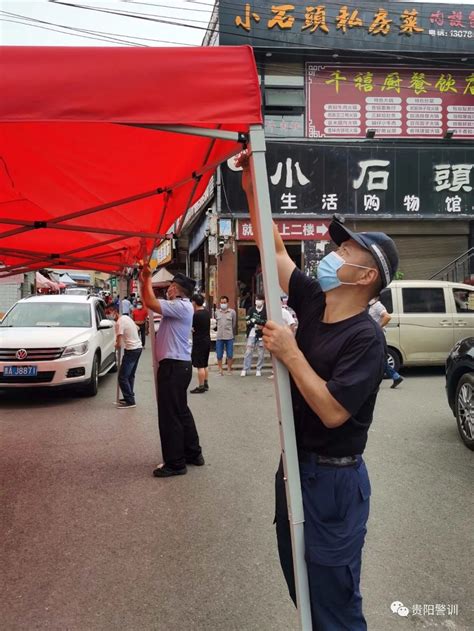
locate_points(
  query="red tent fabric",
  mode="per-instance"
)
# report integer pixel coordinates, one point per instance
(73, 138)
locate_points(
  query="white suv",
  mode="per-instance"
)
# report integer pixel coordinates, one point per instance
(56, 341)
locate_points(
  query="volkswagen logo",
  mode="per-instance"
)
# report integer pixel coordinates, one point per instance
(21, 354)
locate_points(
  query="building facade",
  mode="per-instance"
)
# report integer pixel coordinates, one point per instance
(369, 113)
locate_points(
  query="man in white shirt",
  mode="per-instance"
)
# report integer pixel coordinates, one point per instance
(379, 313)
(127, 336)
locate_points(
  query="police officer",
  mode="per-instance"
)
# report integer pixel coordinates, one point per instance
(336, 365)
(179, 437)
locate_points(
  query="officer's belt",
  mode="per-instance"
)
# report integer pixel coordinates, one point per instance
(328, 461)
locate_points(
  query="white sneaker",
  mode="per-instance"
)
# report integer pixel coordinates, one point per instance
(243, 373)
(258, 373)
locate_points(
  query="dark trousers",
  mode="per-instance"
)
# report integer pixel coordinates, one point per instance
(142, 332)
(336, 509)
(126, 377)
(179, 437)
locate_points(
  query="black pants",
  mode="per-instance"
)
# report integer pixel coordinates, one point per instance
(179, 437)
(142, 333)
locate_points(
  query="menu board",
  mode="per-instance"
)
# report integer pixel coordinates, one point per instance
(346, 102)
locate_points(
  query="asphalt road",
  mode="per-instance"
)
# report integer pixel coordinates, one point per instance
(91, 541)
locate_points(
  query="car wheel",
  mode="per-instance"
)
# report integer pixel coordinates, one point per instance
(393, 359)
(91, 389)
(464, 409)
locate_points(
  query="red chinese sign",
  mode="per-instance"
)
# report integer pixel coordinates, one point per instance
(345, 102)
(300, 230)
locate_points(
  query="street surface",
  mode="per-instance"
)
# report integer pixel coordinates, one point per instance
(92, 542)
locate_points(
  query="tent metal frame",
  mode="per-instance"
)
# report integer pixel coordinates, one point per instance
(57, 223)
(264, 229)
(255, 140)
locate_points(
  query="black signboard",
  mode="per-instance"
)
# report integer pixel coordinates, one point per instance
(363, 179)
(416, 27)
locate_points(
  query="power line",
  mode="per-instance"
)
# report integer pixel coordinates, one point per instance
(46, 28)
(125, 38)
(35, 21)
(167, 6)
(166, 20)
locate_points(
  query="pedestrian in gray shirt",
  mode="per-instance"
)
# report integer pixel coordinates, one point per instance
(226, 320)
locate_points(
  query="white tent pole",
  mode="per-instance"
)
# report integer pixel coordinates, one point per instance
(264, 230)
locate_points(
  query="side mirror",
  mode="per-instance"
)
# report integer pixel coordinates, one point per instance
(106, 324)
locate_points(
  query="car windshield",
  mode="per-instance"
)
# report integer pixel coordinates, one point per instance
(48, 314)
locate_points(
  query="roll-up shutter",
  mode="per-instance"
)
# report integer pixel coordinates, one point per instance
(423, 256)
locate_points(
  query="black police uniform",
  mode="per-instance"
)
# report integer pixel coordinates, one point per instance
(350, 357)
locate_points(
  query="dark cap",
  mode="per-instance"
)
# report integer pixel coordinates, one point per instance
(380, 245)
(185, 282)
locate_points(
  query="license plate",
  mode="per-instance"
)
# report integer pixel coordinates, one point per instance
(20, 371)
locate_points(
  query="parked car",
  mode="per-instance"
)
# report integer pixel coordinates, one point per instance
(428, 318)
(460, 388)
(56, 341)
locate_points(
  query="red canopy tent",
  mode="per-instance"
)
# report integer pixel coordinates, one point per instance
(103, 149)
(82, 160)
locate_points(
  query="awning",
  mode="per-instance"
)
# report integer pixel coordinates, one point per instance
(88, 176)
(66, 279)
(85, 278)
(161, 278)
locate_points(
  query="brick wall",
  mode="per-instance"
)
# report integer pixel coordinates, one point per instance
(9, 294)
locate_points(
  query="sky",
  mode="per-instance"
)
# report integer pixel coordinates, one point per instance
(45, 23)
(19, 25)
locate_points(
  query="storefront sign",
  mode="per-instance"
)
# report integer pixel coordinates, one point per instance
(302, 230)
(421, 27)
(346, 101)
(199, 234)
(163, 253)
(364, 179)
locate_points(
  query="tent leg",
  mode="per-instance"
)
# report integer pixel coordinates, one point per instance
(118, 359)
(282, 383)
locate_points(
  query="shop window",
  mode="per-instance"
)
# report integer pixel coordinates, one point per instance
(284, 98)
(423, 300)
(464, 300)
(278, 74)
(279, 126)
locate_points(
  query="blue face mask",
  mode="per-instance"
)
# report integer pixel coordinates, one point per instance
(328, 268)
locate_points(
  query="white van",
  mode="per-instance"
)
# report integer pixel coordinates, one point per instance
(428, 318)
